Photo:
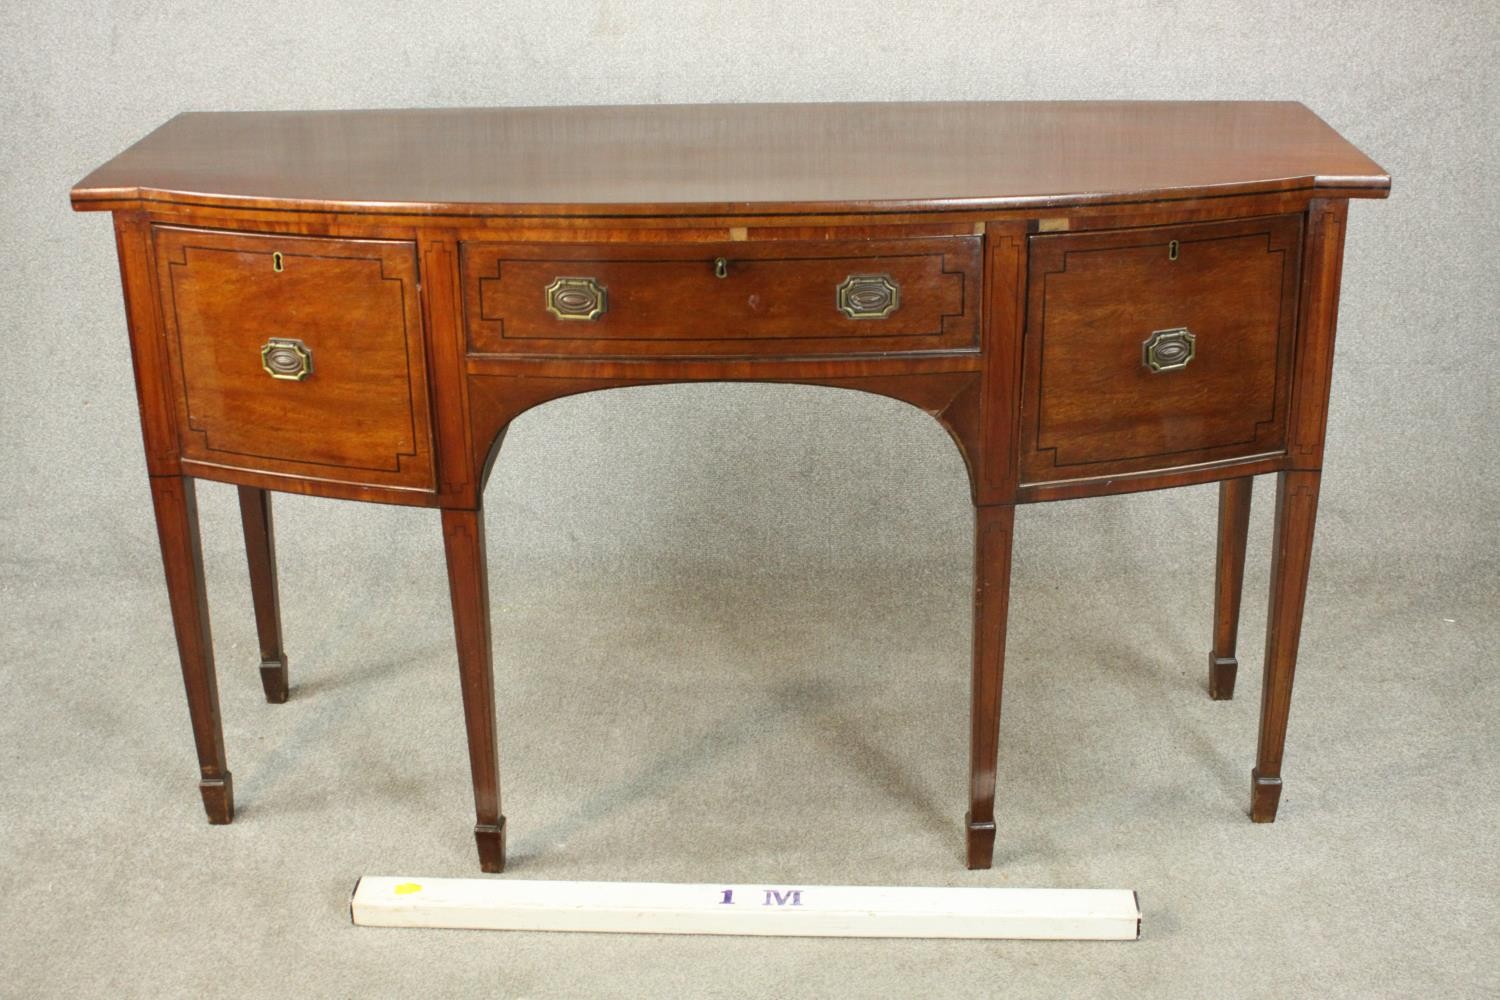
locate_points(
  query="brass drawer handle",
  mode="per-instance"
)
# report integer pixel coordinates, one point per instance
(577, 298)
(1169, 350)
(287, 359)
(868, 296)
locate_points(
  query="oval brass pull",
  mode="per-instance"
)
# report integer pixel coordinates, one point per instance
(868, 296)
(287, 359)
(577, 298)
(1169, 350)
(721, 267)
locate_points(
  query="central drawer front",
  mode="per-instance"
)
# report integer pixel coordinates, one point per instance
(774, 298)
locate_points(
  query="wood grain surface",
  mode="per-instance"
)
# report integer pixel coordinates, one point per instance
(734, 158)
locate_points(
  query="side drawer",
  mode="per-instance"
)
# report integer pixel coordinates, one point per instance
(1158, 348)
(771, 298)
(297, 356)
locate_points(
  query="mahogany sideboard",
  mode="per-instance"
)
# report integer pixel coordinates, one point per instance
(1092, 298)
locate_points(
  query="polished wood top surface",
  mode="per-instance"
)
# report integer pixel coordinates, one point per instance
(734, 159)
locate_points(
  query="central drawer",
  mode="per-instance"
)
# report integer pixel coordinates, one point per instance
(773, 298)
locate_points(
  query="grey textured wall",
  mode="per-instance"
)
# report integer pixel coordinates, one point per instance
(776, 525)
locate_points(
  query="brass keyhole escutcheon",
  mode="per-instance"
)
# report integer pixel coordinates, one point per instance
(1172, 249)
(286, 359)
(277, 264)
(721, 267)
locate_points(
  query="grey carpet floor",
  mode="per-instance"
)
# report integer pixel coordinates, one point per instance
(683, 720)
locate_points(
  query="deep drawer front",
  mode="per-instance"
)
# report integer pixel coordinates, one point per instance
(774, 298)
(296, 355)
(1156, 348)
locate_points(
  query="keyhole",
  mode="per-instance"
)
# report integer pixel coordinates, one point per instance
(276, 264)
(721, 267)
(1172, 249)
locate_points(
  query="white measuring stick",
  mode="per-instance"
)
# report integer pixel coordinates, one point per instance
(762, 909)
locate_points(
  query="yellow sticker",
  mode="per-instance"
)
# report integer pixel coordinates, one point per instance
(407, 888)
